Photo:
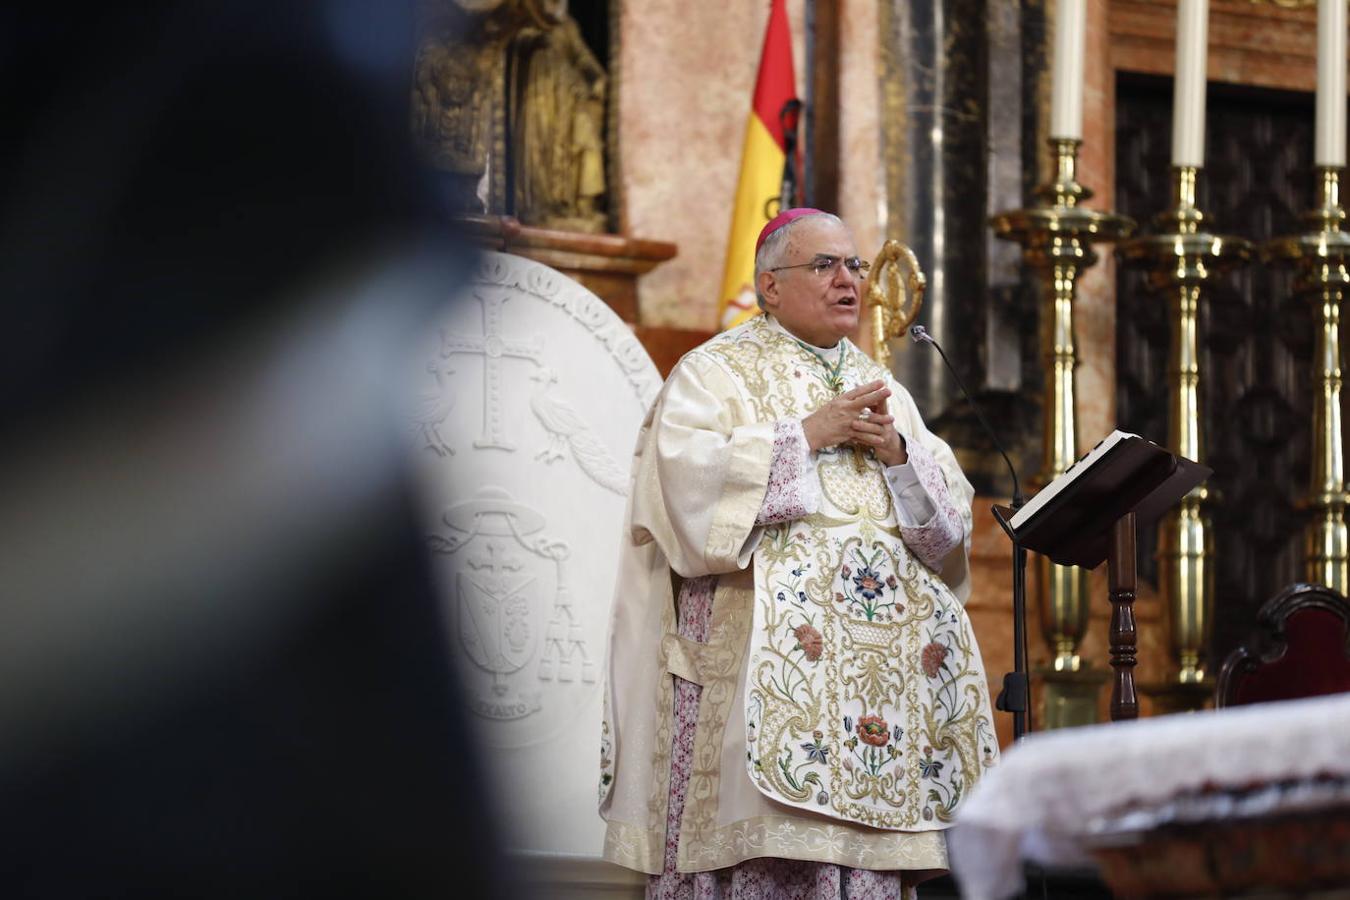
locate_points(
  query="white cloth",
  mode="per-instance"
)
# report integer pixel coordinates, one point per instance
(829, 354)
(1057, 791)
(912, 503)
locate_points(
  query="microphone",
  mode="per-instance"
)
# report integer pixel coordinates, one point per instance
(919, 335)
(1016, 684)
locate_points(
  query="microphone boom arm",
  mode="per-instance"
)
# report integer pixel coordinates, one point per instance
(1014, 698)
(920, 335)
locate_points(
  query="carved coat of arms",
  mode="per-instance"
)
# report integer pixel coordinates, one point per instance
(525, 434)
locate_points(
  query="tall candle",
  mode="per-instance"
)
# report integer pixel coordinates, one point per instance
(1188, 94)
(1066, 72)
(1330, 141)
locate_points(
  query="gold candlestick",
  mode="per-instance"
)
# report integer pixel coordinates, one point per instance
(1057, 239)
(1319, 256)
(1182, 258)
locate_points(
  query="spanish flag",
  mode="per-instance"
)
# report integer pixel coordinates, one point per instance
(762, 161)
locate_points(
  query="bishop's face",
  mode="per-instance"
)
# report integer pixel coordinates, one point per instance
(818, 308)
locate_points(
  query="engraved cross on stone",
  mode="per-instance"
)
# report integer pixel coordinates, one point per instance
(492, 347)
(496, 561)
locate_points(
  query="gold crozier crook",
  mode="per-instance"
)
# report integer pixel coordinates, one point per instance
(895, 294)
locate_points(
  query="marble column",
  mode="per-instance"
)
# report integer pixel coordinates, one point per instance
(958, 105)
(934, 107)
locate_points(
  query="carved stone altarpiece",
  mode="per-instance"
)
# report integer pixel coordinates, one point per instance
(530, 394)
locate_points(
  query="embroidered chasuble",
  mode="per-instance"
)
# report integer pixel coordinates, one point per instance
(816, 694)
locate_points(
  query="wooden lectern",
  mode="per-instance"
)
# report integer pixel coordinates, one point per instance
(1090, 513)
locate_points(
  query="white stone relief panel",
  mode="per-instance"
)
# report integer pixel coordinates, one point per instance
(527, 397)
(512, 616)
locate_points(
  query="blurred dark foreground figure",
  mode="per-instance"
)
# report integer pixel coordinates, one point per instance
(223, 664)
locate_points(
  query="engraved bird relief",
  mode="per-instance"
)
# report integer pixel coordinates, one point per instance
(566, 429)
(433, 408)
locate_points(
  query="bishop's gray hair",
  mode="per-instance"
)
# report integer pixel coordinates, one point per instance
(770, 253)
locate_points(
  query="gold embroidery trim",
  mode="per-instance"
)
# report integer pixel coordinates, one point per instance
(720, 665)
(840, 843)
(682, 657)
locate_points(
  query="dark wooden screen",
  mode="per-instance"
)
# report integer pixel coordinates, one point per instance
(1256, 341)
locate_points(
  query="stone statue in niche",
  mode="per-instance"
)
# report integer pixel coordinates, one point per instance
(510, 86)
(451, 107)
(560, 158)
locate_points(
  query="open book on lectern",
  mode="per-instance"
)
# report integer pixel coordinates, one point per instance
(1070, 519)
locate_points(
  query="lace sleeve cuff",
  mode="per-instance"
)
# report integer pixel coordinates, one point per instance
(793, 490)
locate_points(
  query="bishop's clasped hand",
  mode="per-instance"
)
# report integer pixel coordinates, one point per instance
(860, 417)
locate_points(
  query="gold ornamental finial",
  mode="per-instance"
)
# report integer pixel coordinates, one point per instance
(895, 294)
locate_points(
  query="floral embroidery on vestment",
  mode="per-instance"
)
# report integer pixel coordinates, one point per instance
(841, 716)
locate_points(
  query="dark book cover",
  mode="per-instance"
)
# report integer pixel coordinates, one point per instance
(1073, 526)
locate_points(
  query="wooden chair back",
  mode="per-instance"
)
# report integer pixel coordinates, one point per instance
(1300, 648)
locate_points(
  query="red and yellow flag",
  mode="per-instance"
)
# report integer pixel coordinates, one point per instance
(762, 160)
